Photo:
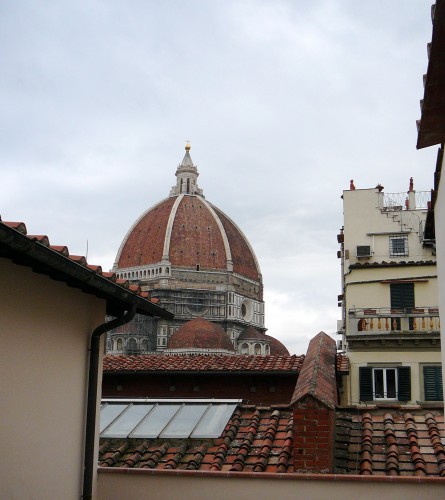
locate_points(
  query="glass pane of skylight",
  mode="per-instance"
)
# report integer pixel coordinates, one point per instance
(185, 421)
(156, 421)
(127, 421)
(108, 413)
(214, 421)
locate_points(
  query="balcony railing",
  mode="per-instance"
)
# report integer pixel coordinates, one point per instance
(386, 320)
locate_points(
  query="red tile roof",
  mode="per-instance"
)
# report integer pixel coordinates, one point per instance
(256, 439)
(402, 263)
(155, 362)
(55, 260)
(260, 439)
(317, 376)
(431, 126)
(394, 442)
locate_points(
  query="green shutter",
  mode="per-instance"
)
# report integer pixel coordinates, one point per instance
(402, 295)
(432, 381)
(404, 380)
(365, 377)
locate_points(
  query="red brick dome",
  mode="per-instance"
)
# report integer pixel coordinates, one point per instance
(276, 347)
(186, 231)
(197, 336)
(251, 333)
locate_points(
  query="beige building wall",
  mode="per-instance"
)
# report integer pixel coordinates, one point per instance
(365, 224)
(439, 211)
(415, 359)
(45, 329)
(367, 287)
(161, 485)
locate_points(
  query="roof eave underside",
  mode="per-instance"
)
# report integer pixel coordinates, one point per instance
(432, 122)
(43, 260)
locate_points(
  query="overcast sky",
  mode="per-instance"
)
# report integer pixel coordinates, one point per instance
(283, 101)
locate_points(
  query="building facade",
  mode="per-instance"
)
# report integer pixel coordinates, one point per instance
(390, 323)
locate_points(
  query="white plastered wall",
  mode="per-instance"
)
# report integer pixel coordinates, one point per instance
(439, 213)
(44, 331)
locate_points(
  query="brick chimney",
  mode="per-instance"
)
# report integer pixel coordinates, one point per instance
(313, 403)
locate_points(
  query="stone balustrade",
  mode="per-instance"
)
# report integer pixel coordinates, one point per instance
(384, 320)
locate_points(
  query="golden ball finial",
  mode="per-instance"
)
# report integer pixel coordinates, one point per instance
(187, 146)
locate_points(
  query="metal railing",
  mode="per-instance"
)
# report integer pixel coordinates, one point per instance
(397, 201)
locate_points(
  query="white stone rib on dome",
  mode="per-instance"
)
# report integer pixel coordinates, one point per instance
(168, 232)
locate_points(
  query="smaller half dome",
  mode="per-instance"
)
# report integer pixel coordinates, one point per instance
(276, 347)
(251, 333)
(199, 336)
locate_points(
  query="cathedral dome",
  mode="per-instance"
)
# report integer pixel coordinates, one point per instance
(185, 231)
(251, 333)
(199, 336)
(197, 263)
(276, 347)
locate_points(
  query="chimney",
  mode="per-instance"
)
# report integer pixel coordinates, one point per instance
(313, 403)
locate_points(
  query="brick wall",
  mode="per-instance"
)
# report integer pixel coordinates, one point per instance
(313, 402)
(269, 390)
(314, 426)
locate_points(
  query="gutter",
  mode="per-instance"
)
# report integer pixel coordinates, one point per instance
(90, 462)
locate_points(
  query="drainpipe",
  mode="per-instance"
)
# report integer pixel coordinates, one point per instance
(90, 460)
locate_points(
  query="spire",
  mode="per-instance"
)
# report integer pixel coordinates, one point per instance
(187, 160)
(186, 176)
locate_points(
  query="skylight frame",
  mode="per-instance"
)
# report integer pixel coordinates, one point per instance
(208, 423)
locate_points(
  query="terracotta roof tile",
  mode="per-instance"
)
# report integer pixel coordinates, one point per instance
(249, 443)
(370, 265)
(60, 249)
(155, 362)
(18, 226)
(317, 376)
(41, 238)
(396, 442)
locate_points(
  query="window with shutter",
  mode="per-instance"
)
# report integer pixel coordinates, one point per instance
(404, 382)
(402, 300)
(385, 383)
(365, 381)
(402, 295)
(432, 382)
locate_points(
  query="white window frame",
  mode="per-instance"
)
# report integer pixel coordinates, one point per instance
(385, 384)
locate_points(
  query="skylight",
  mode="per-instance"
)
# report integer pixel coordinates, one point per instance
(171, 418)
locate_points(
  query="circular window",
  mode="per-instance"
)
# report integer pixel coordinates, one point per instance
(247, 310)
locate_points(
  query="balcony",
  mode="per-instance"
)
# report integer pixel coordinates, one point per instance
(414, 320)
